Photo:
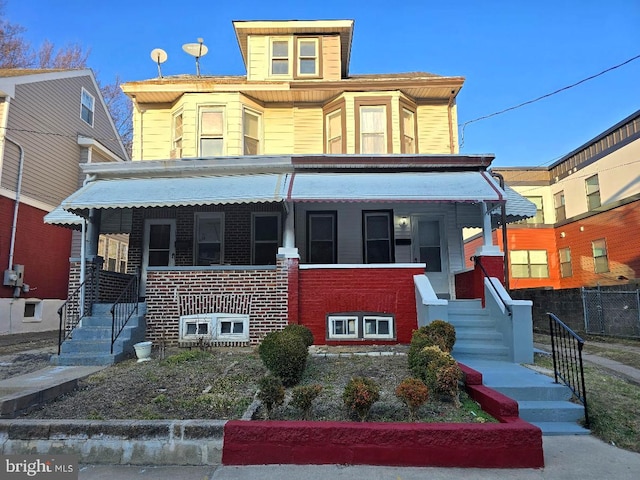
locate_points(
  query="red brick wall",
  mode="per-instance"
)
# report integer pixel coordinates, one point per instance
(43, 250)
(267, 287)
(470, 284)
(384, 290)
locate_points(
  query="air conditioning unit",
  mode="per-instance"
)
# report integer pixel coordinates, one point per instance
(175, 153)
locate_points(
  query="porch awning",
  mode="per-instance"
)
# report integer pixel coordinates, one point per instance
(434, 187)
(59, 216)
(176, 191)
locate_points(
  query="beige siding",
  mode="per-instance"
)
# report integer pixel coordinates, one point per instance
(331, 66)
(156, 133)
(278, 131)
(44, 118)
(433, 128)
(258, 61)
(454, 128)
(308, 130)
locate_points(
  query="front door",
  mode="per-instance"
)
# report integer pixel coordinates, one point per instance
(159, 247)
(430, 248)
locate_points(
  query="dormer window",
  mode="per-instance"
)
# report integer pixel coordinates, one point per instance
(308, 57)
(280, 56)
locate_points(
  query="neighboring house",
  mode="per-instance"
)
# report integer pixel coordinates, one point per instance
(588, 215)
(298, 194)
(50, 122)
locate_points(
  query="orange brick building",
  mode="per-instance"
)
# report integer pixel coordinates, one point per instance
(587, 229)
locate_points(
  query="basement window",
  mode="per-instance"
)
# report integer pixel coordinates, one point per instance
(360, 326)
(214, 326)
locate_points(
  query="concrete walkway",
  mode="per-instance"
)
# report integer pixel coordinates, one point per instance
(566, 458)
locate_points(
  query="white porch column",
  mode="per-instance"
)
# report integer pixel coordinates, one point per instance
(487, 248)
(288, 248)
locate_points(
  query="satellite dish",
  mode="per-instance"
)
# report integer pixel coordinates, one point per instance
(196, 50)
(159, 56)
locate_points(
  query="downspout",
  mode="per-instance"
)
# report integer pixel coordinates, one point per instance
(450, 117)
(14, 226)
(503, 220)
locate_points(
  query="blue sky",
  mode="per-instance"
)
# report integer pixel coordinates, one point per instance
(509, 51)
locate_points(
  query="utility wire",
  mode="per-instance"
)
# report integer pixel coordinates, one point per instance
(484, 117)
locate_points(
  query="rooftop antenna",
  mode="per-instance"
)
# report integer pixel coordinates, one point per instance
(196, 50)
(160, 56)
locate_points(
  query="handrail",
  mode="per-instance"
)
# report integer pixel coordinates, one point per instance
(567, 360)
(124, 307)
(70, 312)
(478, 262)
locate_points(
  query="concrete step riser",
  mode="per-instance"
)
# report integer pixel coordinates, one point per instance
(478, 335)
(105, 308)
(560, 393)
(550, 411)
(480, 323)
(95, 346)
(106, 321)
(561, 428)
(85, 360)
(102, 333)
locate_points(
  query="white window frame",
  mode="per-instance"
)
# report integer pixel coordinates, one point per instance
(331, 135)
(363, 133)
(289, 42)
(177, 140)
(332, 319)
(255, 215)
(300, 57)
(234, 319)
(249, 111)
(196, 241)
(214, 323)
(88, 102)
(377, 319)
(204, 136)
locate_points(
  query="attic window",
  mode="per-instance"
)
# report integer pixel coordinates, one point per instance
(307, 57)
(280, 57)
(87, 103)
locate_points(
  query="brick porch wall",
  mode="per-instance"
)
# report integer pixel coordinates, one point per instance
(266, 286)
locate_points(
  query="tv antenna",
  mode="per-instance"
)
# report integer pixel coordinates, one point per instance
(196, 50)
(159, 56)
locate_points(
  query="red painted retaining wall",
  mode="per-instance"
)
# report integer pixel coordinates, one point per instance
(511, 444)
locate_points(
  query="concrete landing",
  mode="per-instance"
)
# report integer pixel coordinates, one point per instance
(18, 394)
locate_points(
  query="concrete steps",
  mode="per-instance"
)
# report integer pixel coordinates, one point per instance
(476, 334)
(91, 341)
(540, 401)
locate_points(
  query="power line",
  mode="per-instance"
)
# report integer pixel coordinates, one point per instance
(528, 102)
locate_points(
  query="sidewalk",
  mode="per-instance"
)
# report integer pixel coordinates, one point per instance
(566, 458)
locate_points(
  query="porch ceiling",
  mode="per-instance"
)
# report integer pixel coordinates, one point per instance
(176, 191)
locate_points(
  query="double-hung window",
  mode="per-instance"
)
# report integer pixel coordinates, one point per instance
(87, 105)
(373, 129)
(566, 269)
(378, 233)
(308, 57)
(322, 237)
(265, 238)
(592, 186)
(280, 48)
(600, 256)
(529, 264)
(251, 131)
(211, 132)
(176, 136)
(558, 199)
(209, 238)
(408, 131)
(334, 128)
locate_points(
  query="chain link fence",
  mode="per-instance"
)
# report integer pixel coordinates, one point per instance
(611, 312)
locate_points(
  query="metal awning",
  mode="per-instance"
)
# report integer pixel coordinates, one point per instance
(59, 216)
(393, 187)
(176, 191)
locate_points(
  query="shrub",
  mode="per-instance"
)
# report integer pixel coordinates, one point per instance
(438, 333)
(447, 382)
(271, 392)
(302, 331)
(303, 397)
(285, 355)
(413, 393)
(443, 334)
(438, 370)
(359, 396)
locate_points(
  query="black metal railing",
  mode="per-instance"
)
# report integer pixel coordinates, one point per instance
(566, 349)
(77, 306)
(478, 262)
(124, 307)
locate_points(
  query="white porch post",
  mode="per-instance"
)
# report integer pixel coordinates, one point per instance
(487, 248)
(288, 248)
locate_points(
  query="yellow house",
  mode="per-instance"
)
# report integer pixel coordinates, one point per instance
(297, 98)
(301, 194)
